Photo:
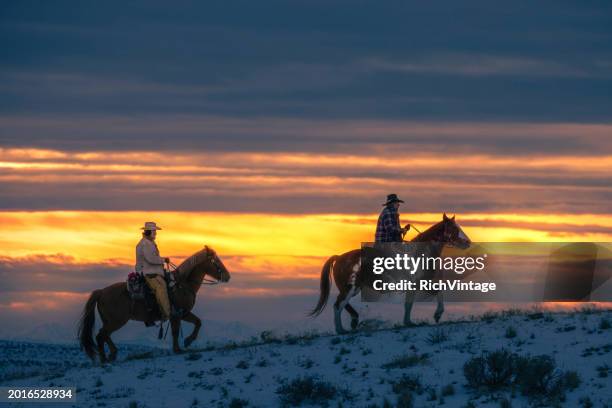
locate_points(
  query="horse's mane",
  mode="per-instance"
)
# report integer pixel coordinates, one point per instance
(185, 268)
(427, 234)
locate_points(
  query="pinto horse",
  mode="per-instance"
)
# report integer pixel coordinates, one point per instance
(345, 269)
(116, 307)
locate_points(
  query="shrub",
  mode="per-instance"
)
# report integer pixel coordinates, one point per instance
(407, 384)
(308, 390)
(447, 390)
(571, 380)
(604, 324)
(535, 374)
(602, 371)
(510, 332)
(405, 400)
(432, 395)
(242, 364)
(407, 360)
(437, 336)
(505, 403)
(536, 377)
(492, 370)
(238, 403)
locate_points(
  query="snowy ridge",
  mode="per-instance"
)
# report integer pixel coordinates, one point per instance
(420, 366)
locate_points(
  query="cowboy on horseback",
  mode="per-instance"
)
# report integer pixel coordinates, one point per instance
(388, 228)
(151, 267)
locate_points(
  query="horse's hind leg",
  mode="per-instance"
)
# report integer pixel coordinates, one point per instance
(113, 349)
(105, 335)
(338, 306)
(354, 315)
(197, 323)
(101, 339)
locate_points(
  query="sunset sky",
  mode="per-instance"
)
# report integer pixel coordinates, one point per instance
(273, 131)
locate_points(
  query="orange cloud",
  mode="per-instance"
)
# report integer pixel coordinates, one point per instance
(294, 243)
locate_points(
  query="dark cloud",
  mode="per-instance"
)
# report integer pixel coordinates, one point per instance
(308, 59)
(378, 79)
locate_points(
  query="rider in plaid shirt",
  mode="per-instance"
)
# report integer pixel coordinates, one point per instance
(388, 228)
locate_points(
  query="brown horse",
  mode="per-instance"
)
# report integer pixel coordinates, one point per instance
(116, 308)
(346, 268)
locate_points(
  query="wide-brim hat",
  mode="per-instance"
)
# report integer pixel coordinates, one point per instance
(150, 226)
(393, 198)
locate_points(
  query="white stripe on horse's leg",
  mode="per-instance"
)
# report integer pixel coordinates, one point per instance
(408, 307)
(440, 308)
(341, 304)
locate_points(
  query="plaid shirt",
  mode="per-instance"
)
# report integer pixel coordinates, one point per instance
(388, 228)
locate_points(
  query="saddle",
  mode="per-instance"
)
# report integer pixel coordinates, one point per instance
(136, 286)
(156, 291)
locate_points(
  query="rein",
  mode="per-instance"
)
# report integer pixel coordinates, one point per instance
(414, 226)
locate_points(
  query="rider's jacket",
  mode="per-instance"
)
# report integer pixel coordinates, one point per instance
(147, 258)
(388, 228)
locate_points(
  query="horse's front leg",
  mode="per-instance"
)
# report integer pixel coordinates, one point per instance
(197, 323)
(440, 308)
(175, 323)
(408, 307)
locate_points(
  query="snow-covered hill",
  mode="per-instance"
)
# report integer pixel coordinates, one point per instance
(421, 366)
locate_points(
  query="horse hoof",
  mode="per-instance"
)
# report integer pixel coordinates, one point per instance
(178, 351)
(354, 324)
(188, 342)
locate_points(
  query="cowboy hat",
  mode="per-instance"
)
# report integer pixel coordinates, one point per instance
(150, 226)
(392, 198)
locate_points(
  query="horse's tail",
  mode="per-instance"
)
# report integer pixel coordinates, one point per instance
(325, 286)
(86, 324)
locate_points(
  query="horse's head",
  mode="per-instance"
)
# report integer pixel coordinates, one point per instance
(214, 267)
(453, 235)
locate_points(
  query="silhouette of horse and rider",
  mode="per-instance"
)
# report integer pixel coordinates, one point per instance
(175, 291)
(346, 268)
(116, 307)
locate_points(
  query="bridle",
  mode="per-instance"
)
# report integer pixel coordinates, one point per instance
(212, 258)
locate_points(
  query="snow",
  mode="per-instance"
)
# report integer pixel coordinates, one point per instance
(355, 363)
